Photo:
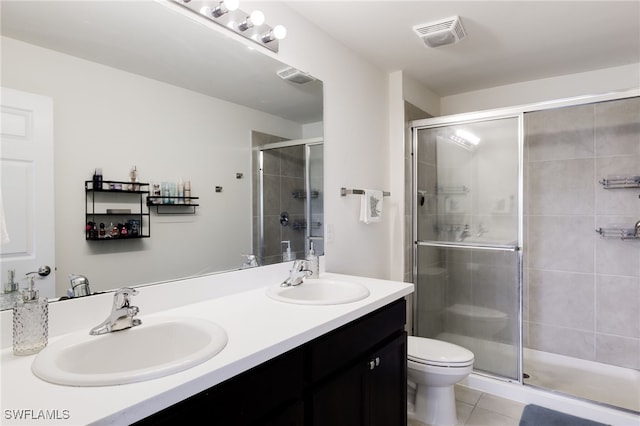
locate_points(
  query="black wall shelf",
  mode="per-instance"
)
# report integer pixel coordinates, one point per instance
(135, 221)
(180, 205)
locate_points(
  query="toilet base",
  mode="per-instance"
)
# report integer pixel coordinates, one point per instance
(435, 406)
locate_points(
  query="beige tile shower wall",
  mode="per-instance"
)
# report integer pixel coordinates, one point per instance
(582, 291)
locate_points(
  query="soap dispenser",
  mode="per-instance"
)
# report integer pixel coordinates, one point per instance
(11, 292)
(287, 255)
(313, 264)
(30, 321)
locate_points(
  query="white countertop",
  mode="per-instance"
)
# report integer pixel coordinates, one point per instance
(258, 327)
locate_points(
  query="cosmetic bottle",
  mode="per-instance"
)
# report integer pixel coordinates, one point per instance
(287, 255)
(30, 322)
(97, 179)
(180, 199)
(133, 177)
(11, 292)
(313, 264)
(187, 192)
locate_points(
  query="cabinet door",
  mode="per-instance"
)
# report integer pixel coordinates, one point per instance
(386, 385)
(373, 392)
(340, 400)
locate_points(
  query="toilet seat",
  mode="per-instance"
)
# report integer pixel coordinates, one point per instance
(437, 353)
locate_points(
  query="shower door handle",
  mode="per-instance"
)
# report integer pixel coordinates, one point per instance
(444, 244)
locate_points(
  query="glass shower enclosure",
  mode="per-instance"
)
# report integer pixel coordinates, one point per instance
(288, 201)
(468, 234)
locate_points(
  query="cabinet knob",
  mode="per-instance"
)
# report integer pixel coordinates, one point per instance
(374, 363)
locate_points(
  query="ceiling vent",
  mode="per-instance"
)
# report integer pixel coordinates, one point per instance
(295, 76)
(441, 33)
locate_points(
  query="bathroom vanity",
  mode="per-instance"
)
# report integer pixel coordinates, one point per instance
(284, 363)
(354, 375)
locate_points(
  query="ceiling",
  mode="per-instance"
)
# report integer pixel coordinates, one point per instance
(507, 41)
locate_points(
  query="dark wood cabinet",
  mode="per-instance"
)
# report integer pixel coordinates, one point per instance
(359, 372)
(355, 375)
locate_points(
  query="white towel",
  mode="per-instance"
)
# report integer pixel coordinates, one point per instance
(371, 206)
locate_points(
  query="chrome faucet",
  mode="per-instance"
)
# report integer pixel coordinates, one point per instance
(299, 271)
(122, 314)
(465, 233)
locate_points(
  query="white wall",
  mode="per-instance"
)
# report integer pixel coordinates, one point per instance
(356, 140)
(111, 119)
(559, 87)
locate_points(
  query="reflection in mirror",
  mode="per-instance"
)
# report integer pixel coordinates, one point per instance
(141, 84)
(288, 198)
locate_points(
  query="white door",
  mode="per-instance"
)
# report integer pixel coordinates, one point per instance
(27, 227)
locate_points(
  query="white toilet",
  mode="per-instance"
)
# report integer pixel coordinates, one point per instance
(434, 367)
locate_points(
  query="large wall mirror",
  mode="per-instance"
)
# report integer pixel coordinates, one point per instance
(143, 84)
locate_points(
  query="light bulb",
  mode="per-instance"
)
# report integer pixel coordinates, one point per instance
(279, 32)
(257, 17)
(225, 6)
(206, 11)
(232, 5)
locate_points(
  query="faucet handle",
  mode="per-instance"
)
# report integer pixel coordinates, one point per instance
(298, 265)
(122, 297)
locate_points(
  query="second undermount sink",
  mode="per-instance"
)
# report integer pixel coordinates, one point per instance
(320, 291)
(158, 347)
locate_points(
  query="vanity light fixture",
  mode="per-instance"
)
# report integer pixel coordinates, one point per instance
(227, 14)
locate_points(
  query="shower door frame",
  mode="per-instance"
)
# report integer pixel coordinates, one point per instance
(452, 120)
(492, 114)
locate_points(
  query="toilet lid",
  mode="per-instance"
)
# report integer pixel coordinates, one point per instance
(437, 352)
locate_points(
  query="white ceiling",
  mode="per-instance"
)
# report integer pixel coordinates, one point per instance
(507, 41)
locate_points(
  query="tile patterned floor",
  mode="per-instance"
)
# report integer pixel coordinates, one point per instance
(481, 409)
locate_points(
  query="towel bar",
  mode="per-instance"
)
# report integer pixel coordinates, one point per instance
(344, 192)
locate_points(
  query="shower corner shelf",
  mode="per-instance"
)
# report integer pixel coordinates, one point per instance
(302, 194)
(452, 190)
(621, 182)
(622, 233)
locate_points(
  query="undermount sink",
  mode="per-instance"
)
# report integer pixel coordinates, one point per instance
(158, 347)
(320, 292)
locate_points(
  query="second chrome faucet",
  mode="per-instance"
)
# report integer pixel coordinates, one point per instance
(299, 271)
(122, 313)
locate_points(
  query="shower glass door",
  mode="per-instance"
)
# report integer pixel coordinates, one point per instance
(467, 226)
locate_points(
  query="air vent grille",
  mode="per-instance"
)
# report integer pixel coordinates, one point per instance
(440, 33)
(295, 76)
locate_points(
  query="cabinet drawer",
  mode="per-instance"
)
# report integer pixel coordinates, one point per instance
(337, 349)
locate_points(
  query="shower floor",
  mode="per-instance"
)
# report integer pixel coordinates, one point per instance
(608, 384)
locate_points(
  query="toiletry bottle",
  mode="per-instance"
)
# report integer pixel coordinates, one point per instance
(187, 192)
(180, 199)
(313, 264)
(11, 292)
(30, 322)
(133, 177)
(287, 255)
(97, 179)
